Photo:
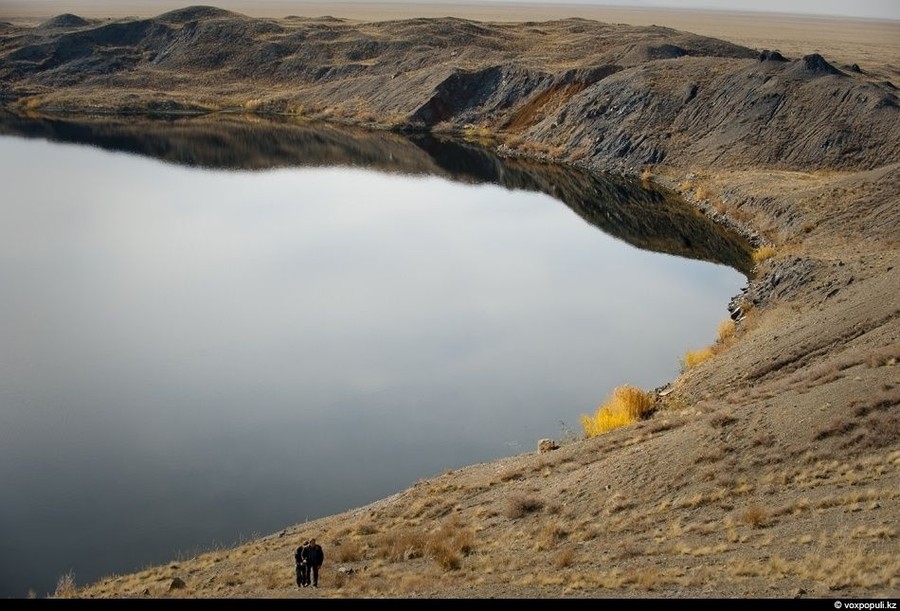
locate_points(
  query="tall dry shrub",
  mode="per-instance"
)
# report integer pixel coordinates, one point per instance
(626, 405)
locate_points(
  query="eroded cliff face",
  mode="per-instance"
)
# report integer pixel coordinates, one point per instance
(612, 96)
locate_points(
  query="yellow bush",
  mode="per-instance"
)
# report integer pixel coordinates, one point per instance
(695, 357)
(726, 330)
(703, 192)
(762, 253)
(478, 133)
(626, 405)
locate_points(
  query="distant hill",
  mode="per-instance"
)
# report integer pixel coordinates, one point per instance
(615, 95)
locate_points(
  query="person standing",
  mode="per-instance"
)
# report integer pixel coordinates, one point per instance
(302, 567)
(314, 559)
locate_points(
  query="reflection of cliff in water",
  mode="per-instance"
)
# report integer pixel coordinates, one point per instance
(646, 218)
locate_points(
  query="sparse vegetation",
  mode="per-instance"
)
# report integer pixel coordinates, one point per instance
(692, 358)
(348, 551)
(888, 356)
(627, 405)
(520, 506)
(721, 420)
(479, 133)
(755, 516)
(65, 586)
(726, 331)
(724, 338)
(762, 253)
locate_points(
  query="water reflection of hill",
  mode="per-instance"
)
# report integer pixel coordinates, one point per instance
(647, 218)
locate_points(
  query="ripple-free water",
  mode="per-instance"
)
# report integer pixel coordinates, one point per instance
(192, 357)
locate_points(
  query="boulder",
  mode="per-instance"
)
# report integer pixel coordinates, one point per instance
(547, 445)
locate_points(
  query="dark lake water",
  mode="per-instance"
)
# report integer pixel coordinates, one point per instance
(215, 330)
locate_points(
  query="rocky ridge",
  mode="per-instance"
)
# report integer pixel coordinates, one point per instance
(611, 95)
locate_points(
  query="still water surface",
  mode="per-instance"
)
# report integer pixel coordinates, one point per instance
(192, 356)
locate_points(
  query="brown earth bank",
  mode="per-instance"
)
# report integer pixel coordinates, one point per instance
(768, 470)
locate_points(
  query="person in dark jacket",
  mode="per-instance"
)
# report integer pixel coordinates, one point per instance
(314, 559)
(302, 567)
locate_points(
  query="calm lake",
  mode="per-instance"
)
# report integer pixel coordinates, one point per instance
(211, 332)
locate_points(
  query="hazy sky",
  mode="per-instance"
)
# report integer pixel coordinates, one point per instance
(885, 9)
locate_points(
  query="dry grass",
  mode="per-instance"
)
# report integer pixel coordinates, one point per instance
(480, 134)
(627, 405)
(755, 516)
(519, 506)
(884, 357)
(725, 336)
(408, 561)
(348, 551)
(721, 420)
(692, 358)
(762, 253)
(65, 586)
(725, 331)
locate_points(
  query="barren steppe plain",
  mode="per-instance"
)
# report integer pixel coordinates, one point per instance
(769, 470)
